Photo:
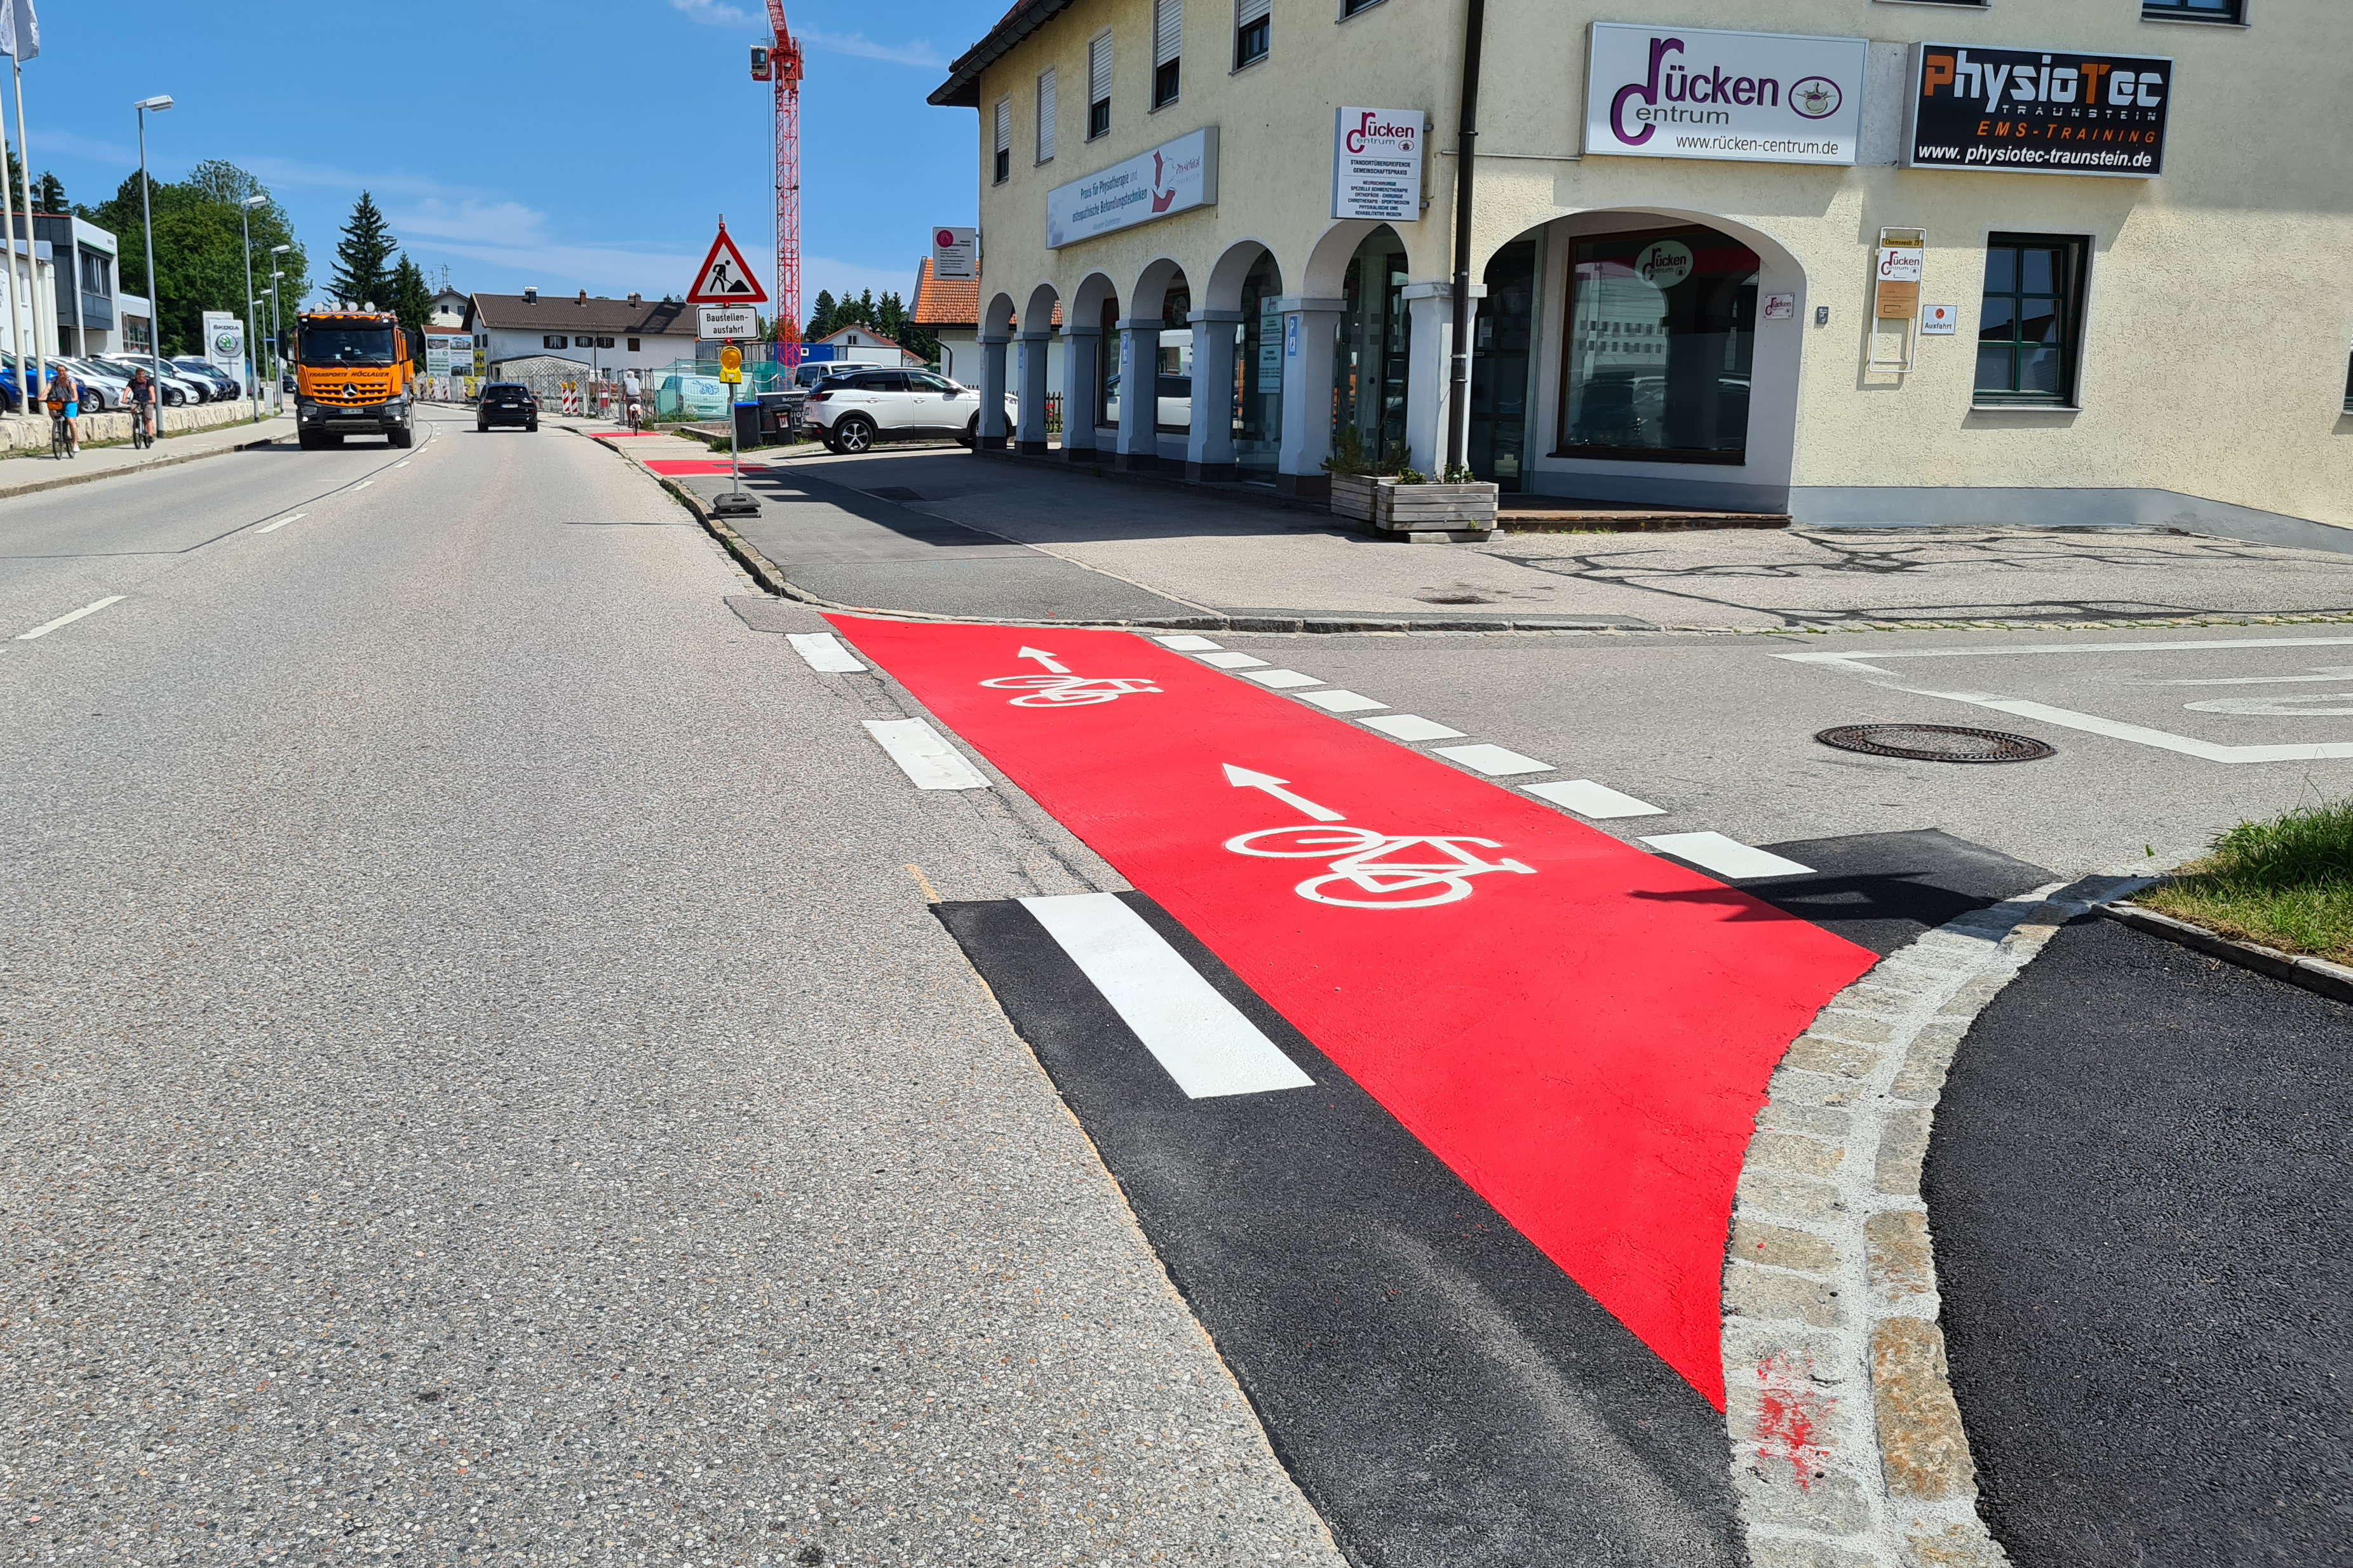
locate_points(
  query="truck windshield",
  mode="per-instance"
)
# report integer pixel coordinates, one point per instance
(347, 345)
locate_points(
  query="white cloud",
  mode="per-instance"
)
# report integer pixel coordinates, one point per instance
(275, 171)
(47, 141)
(511, 235)
(915, 52)
(711, 14)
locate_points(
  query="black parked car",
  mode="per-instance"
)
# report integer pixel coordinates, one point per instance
(506, 402)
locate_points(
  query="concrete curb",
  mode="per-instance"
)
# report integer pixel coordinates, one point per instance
(1847, 1447)
(2334, 981)
(90, 477)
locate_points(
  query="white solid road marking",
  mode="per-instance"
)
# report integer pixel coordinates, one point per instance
(1243, 778)
(1412, 726)
(274, 527)
(65, 620)
(1725, 857)
(1495, 761)
(922, 756)
(402, 464)
(1198, 1036)
(1336, 700)
(1586, 798)
(1282, 679)
(363, 484)
(1233, 660)
(823, 651)
(1187, 643)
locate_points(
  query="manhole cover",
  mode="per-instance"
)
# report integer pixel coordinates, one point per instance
(1935, 743)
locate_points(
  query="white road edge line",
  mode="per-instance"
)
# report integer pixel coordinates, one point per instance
(1598, 802)
(1495, 761)
(1187, 642)
(1411, 727)
(927, 759)
(1232, 660)
(823, 651)
(402, 464)
(274, 527)
(1202, 1039)
(1338, 700)
(1725, 857)
(67, 620)
(1281, 679)
(363, 484)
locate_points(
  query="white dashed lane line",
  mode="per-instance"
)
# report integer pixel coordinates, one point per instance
(1412, 726)
(274, 527)
(1725, 857)
(822, 651)
(46, 627)
(1338, 699)
(1495, 761)
(1589, 799)
(1200, 1038)
(922, 755)
(1281, 679)
(1232, 660)
(1187, 643)
(363, 484)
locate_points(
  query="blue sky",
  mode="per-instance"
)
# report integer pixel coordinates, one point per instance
(567, 143)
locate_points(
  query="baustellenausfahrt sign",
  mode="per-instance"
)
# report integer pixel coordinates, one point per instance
(1174, 177)
(1691, 92)
(1377, 164)
(2037, 111)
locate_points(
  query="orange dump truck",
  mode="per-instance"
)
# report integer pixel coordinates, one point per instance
(352, 377)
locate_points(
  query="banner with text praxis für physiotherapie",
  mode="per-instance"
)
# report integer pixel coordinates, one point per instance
(1689, 92)
(2036, 111)
(1174, 177)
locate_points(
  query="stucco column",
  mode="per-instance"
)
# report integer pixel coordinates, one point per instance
(1309, 326)
(1428, 373)
(1139, 389)
(1031, 437)
(1079, 345)
(1209, 443)
(992, 392)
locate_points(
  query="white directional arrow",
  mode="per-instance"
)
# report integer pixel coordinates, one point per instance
(1043, 658)
(1243, 778)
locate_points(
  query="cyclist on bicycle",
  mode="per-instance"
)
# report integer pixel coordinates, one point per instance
(143, 401)
(65, 406)
(629, 392)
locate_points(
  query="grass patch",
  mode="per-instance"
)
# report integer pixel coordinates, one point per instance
(2285, 883)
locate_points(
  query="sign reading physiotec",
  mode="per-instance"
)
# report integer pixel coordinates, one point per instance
(1377, 164)
(1690, 92)
(1174, 177)
(2040, 111)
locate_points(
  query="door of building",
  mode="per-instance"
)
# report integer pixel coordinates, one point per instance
(1499, 367)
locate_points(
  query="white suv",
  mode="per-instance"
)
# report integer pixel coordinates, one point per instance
(853, 411)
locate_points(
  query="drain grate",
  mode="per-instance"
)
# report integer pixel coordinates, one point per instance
(1935, 743)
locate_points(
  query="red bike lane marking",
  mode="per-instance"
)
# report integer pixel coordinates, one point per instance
(1581, 1031)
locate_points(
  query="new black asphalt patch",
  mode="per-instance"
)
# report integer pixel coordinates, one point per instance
(2138, 1188)
(1442, 1393)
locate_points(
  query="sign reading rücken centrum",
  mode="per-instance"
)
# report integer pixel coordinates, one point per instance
(2040, 111)
(1691, 93)
(1377, 164)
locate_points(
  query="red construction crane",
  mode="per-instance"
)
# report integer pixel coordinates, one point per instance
(782, 62)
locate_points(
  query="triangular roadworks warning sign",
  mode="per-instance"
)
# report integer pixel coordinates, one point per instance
(724, 279)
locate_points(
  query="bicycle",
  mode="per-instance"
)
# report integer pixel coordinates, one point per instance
(637, 415)
(60, 432)
(142, 433)
(1365, 861)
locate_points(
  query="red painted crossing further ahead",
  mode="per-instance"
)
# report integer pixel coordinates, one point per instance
(1581, 1031)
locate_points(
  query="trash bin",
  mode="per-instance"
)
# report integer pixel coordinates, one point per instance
(747, 423)
(776, 417)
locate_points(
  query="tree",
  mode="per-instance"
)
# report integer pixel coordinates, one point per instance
(821, 320)
(361, 275)
(411, 301)
(200, 236)
(50, 194)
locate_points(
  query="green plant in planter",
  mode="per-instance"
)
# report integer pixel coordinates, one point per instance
(1348, 453)
(1459, 474)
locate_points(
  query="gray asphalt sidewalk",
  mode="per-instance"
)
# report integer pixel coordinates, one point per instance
(30, 473)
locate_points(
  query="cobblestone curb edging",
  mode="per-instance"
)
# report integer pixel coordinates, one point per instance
(1847, 1447)
(2334, 981)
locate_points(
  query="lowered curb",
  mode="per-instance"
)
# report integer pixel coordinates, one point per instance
(2334, 981)
(1847, 1445)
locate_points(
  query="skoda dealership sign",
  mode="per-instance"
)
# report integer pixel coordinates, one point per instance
(1691, 92)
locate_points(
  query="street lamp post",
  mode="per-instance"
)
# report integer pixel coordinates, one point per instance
(277, 340)
(252, 353)
(158, 103)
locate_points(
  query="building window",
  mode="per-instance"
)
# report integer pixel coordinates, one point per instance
(1167, 50)
(1350, 8)
(2348, 383)
(2030, 329)
(1004, 162)
(2193, 10)
(1661, 335)
(1098, 87)
(1045, 115)
(553, 343)
(1249, 31)
(636, 346)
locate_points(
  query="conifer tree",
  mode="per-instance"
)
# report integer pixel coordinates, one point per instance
(361, 274)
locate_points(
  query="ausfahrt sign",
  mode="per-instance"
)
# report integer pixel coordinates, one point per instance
(2040, 111)
(1691, 93)
(1377, 163)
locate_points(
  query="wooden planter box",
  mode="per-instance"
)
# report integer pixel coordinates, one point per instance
(1390, 506)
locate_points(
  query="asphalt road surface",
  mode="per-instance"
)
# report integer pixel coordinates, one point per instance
(486, 1085)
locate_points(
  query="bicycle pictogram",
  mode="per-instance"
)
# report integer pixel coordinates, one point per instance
(1382, 870)
(1068, 690)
